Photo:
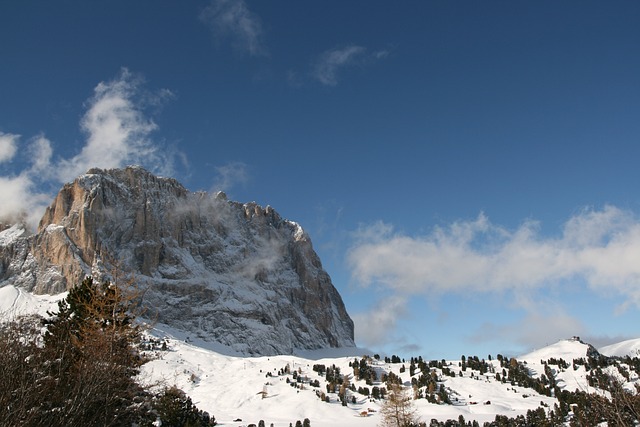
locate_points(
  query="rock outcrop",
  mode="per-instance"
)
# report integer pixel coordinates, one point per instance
(237, 274)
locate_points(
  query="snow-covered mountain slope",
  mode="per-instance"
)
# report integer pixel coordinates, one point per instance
(16, 302)
(629, 348)
(231, 388)
(568, 349)
(568, 377)
(226, 272)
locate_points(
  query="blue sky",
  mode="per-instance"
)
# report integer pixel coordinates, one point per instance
(468, 171)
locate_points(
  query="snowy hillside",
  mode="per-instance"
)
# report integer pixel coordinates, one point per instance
(629, 348)
(231, 388)
(566, 350)
(16, 302)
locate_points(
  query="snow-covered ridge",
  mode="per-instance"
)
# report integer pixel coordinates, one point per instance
(568, 350)
(629, 348)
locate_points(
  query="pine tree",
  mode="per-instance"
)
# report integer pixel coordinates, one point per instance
(175, 408)
(92, 343)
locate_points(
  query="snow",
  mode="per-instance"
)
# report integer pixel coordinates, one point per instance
(11, 234)
(565, 349)
(54, 227)
(16, 301)
(629, 348)
(229, 387)
(299, 233)
(569, 379)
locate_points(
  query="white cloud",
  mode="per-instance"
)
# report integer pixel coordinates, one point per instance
(12, 192)
(536, 329)
(597, 247)
(8, 146)
(375, 327)
(118, 133)
(20, 200)
(232, 19)
(331, 61)
(40, 153)
(230, 175)
(381, 54)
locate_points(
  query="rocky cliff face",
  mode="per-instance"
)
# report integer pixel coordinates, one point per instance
(233, 273)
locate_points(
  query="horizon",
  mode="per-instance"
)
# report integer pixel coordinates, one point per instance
(466, 172)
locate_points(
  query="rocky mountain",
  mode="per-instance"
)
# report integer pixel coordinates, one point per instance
(226, 272)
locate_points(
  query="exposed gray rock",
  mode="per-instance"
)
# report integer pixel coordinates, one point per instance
(233, 273)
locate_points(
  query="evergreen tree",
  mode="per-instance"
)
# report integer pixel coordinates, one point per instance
(92, 344)
(174, 408)
(81, 369)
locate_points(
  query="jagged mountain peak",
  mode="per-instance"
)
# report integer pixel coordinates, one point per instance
(234, 273)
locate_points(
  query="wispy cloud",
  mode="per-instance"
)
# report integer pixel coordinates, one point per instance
(538, 328)
(8, 146)
(381, 54)
(596, 249)
(331, 62)
(375, 326)
(230, 175)
(40, 153)
(117, 133)
(232, 19)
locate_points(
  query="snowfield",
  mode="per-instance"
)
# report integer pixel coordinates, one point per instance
(17, 302)
(625, 348)
(230, 388)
